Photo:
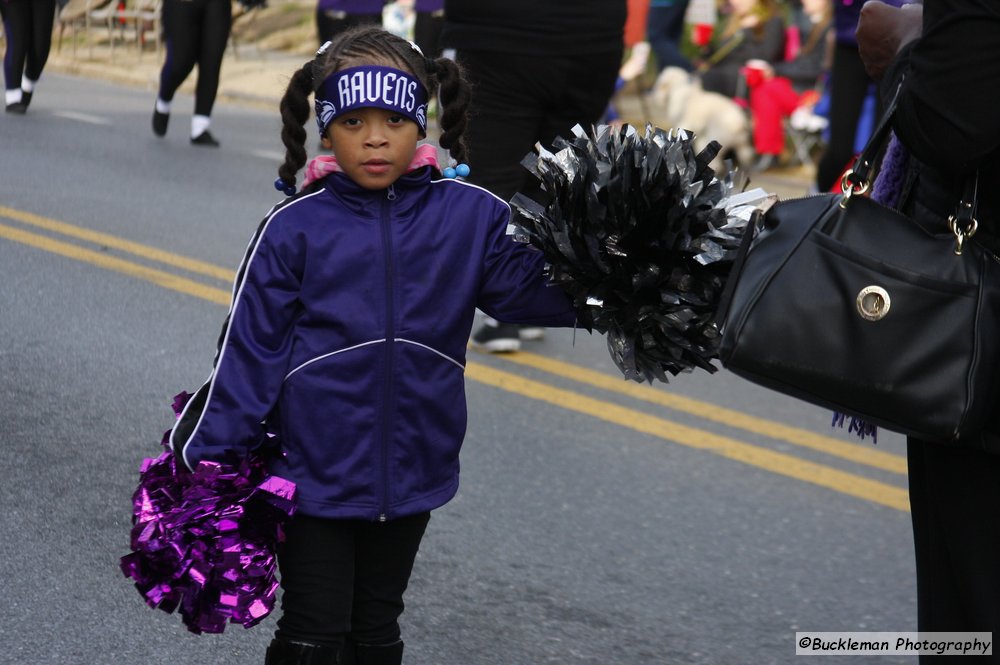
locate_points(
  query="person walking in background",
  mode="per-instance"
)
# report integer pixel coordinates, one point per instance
(537, 69)
(665, 32)
(849, 86)
(335, 16)
(27, 27)
(196, 33)
(944, 59)
(348, 333)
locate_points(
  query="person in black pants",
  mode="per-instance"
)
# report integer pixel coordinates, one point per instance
(537, 69)
(849, 86)
(427, 26)
(336, 16)
(27, 25)
(368, 565)
(942, 57)
(196, 34)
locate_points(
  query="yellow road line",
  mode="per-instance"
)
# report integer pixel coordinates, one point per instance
(145, 251)
(762, 458)
(159, 277)
(800, 437)
(779, 463)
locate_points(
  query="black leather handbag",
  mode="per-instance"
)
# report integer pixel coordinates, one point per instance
(848, 304)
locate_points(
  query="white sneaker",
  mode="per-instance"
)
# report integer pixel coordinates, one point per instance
(530, 333)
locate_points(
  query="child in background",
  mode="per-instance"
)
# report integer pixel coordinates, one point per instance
(755, 30)
(781, 88)
(347, 338)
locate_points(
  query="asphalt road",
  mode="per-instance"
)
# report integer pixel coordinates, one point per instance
(599, 521)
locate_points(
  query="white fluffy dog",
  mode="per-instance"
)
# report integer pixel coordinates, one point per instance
(680, 102)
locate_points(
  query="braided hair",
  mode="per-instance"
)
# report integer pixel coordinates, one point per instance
(370, 45)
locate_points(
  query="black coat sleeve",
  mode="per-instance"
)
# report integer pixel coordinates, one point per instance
(948, 113)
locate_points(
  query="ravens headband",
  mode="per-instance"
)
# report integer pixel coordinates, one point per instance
(371, 87)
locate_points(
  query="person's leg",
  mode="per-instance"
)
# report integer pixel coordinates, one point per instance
(43, 14)
(16, 30)
(182, 37)
(329, 24)
(955, 508)
(664, 31)
(316, 563)
(848, 87)
(385, 552)
(216, 23)
(506, 115)
(589, 84)
(427, 27)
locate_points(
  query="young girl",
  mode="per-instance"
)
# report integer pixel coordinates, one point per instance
(347, 338)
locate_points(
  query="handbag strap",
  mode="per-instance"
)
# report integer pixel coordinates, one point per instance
(858, 179)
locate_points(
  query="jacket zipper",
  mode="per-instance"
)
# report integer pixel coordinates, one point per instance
(390, 196)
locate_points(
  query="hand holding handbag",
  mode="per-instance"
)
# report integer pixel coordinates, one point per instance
(851, 305)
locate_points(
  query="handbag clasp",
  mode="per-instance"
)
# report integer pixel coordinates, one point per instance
(963, 224)
(873, 303)
(850, 186)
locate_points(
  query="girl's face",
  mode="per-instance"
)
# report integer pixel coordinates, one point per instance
(374, 147)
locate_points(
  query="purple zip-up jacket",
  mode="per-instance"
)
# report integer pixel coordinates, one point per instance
(347, 334)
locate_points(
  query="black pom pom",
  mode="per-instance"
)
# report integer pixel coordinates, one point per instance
(637, 230)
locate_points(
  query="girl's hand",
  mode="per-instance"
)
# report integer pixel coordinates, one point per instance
(883, 30)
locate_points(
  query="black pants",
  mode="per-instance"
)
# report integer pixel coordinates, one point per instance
(427, 27)
(519, 100)
(27, 27)
(849, 84)
(955, 504)
(345, 579)
(665, 31)
(196, 33)
(330, 24)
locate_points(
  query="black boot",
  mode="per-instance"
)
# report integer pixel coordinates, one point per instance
(286, 652)
(160, 121)
(381, 654)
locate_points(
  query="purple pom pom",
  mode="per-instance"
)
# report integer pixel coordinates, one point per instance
(203, 542)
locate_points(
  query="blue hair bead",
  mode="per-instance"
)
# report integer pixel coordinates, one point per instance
(282, 186)
(449, 172)
(463, 170)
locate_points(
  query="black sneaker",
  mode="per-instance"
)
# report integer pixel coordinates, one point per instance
(160, 121)
(17, 107)
(501, 338)
(25, 99)
(206, 139)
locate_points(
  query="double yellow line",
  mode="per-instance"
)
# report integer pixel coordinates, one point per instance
(790, 466)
